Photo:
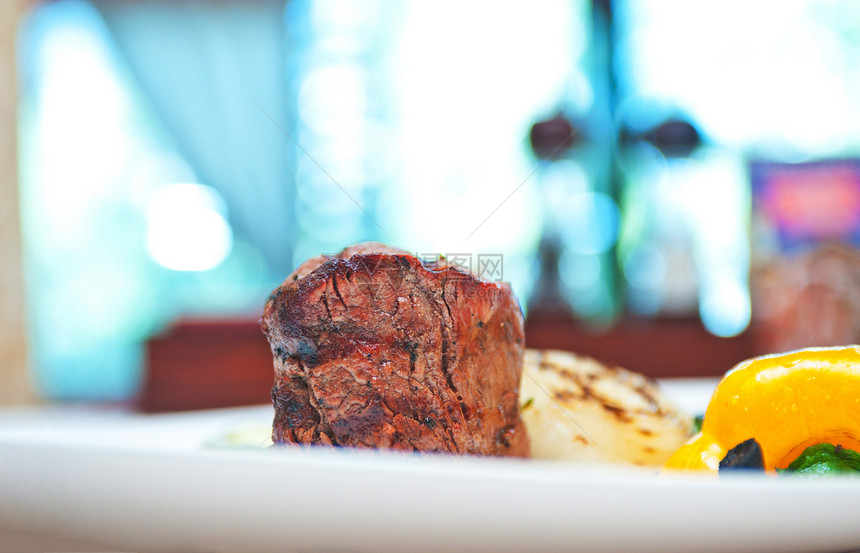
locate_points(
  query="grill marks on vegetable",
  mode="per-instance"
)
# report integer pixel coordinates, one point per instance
(587, 392)
(578, 408)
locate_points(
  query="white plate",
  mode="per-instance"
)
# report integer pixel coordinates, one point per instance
(88, 480)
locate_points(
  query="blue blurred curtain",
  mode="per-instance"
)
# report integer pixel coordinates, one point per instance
(215, 73)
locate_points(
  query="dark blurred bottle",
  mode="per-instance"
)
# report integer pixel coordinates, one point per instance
(578, 187)
(683, 249)
(580, 225)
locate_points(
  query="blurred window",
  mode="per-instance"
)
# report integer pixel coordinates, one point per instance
(154, 184)
(771, 77)
(178, 158)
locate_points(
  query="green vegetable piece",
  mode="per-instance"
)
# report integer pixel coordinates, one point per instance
(824, 459)
(697, 423)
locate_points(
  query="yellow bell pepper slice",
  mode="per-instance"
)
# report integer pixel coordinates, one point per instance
(787, 402)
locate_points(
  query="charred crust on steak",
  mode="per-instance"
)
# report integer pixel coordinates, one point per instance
(372, 348)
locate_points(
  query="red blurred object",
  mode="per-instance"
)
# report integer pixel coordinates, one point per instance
(207, 364)
(810, 299)
(553, 138)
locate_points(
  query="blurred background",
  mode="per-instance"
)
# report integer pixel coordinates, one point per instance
(672, 187)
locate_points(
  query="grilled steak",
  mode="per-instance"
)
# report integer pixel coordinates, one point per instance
(372, 348)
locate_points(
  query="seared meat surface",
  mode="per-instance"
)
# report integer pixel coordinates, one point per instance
(374, 349)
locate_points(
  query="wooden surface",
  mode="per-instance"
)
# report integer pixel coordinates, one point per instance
(14, 382)
(209, 364)
(660, 348)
